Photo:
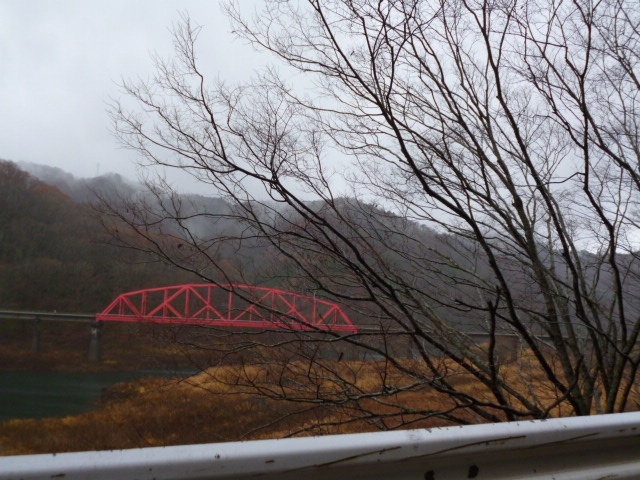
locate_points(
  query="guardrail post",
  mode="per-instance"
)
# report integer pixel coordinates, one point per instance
(95, 343)
(35, 344)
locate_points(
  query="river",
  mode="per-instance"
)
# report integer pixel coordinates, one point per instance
(56, 394)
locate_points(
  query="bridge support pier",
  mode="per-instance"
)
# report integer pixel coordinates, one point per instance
(95, 343)
(35, 343)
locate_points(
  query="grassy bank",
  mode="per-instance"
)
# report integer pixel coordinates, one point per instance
(221, 404)
(202, 409)
(158, 412)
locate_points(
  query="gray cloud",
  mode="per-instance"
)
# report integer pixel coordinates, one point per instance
(61, 61)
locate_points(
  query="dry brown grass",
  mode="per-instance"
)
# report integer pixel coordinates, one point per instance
(221, 405)
(150, 412)
(155, 412)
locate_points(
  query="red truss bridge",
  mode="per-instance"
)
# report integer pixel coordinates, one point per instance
(240, 306)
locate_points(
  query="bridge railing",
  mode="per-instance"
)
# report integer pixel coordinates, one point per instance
(46, 316)
(585, 448)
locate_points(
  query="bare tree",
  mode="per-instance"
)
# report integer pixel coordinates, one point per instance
(499, 141)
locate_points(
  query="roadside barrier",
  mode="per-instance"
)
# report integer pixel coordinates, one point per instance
(587, 448)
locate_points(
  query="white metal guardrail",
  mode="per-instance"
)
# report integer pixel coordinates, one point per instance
(597, 447)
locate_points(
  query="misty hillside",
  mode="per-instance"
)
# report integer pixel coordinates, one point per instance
(54, 254)
(81, 189)
(60, 250)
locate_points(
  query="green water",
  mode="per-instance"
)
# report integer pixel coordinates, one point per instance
(56, 394)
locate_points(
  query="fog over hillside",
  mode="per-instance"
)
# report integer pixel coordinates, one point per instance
(81, 189)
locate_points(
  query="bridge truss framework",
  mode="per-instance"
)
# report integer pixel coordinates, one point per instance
(239, 306)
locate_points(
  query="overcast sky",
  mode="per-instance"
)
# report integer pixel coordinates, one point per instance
(61, 61)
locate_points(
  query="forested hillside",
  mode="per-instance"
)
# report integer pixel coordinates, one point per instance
(54, 254)
(61, 250)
